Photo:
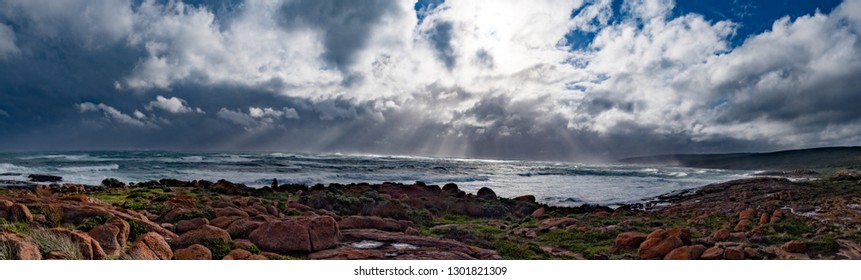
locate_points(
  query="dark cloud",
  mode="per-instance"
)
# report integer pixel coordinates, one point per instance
(346, 26)
(440, 37)
(63, 84)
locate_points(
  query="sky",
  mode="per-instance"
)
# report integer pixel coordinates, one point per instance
(577, 80)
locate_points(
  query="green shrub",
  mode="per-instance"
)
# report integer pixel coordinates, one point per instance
(7, 252)
(17, 227)
(420, 217)
(253, 249)
(48, 241)
(219, 247)
(112, 183)
(89, 223)
(136, 229)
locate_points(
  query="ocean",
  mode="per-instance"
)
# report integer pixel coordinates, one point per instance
(554, 183)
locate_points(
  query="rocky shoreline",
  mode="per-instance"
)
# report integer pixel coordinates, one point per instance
(757, 218)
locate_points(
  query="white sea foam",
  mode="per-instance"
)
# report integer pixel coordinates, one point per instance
(107, 167)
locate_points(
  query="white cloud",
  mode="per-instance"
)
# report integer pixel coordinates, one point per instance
(173, 105)
(257, 118)
(7, 42)
(111, 113)
(260, 113)
(92, 23)
(4, 113)
(480, 65)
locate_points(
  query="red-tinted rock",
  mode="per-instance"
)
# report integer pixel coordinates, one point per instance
(89, 247)
(659, 248)
(629, 240)
(556, 223)
(20, 213)
(733, 254)
(197, 236)
(682, 233)
(355, 222)
(59, 255)
(187, 225)
(243, 227)
(21, 247)
(240, 254)
(411, 231)
(763, 219)
(538, 213)
(106, 235)
(74, 214)
(742, 225)
(150, 246)
(692, 252)
(193, 252)
(775, 217)
(794, 246)
(713, 253)
(747, 214)
(309, 233)
(124, 227)
(230, 211)
(224, 221)
(720, 235)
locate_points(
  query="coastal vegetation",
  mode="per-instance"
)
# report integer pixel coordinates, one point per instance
(757, 218)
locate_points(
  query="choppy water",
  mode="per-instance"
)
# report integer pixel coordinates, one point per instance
(555, 183)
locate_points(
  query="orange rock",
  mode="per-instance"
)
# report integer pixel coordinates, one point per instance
(188, 225)
(747, 214)
(150, 246)
(239, 254)
(21, 247)
(657, 234)
(194, 252)
(658, 248)
(20, 213)
(721, 235)
(733, 254)
(106, 235)
(686, 253)
(629, 240)
(230, 211)
(682, 233)
(742, 225)
(200, 234)
(90, 248)
(556, 223)
(538, 213)
(763, 219)
(308, 234)
(775, 217)
(712, 253)
(224, 221)
(794, 246)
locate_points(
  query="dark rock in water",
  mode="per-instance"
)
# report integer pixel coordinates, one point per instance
(525, 198)
(450, 187)
(10, 174)
(486, 193)
(44, 178)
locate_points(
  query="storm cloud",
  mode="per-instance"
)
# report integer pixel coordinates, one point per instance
(493, 79)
